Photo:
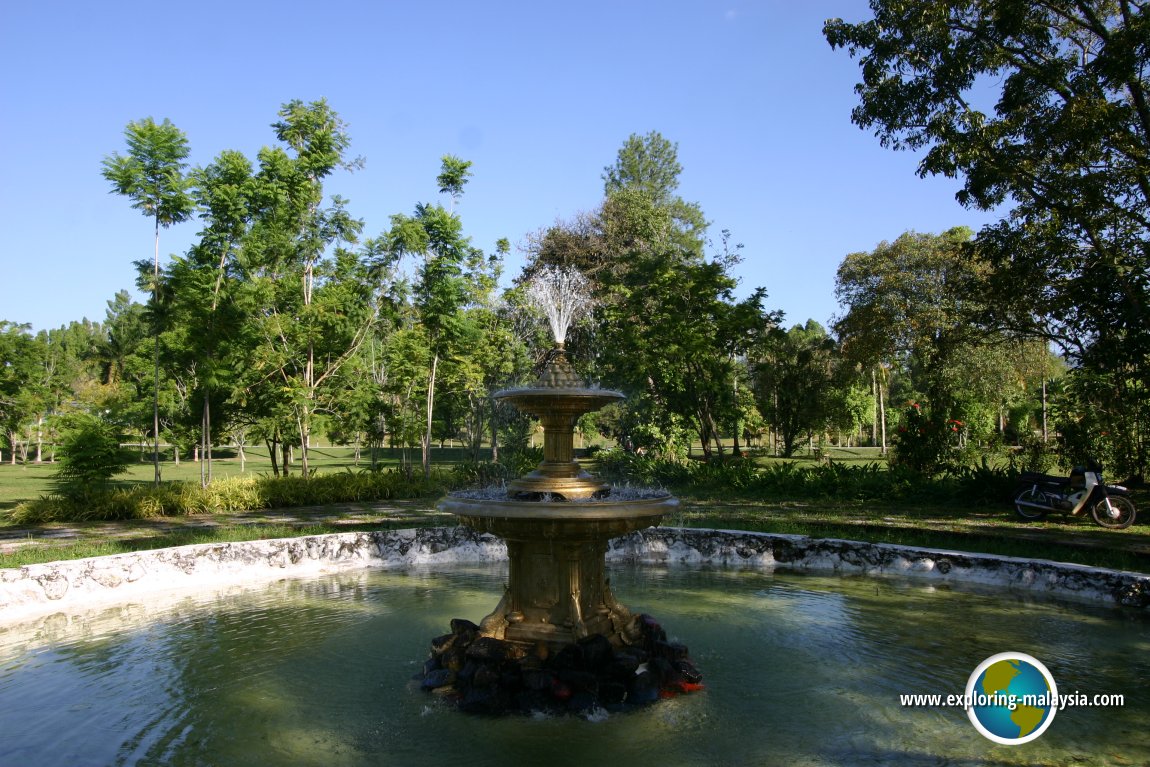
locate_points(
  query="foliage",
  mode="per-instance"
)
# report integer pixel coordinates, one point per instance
(511, 465)
(644, 469)
(227, 495)
(442, 288)
(1042, 107)
(975, 485)
(1034, 455)
(913, 309)
(90, 455)
(797, 377)
(925, 440)
(1103, 416)
(151, 174)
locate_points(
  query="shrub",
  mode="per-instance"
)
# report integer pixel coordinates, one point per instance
(225, 495)
(924, 441)
(620, 465)
(89, 455)
(511, 464)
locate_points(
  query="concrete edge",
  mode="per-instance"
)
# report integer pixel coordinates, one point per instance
(27, 592)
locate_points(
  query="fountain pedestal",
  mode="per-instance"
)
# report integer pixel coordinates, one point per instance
(558, 591)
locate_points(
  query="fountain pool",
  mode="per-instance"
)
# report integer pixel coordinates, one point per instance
(802, 670)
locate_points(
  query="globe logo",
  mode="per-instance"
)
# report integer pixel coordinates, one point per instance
(1012, 698)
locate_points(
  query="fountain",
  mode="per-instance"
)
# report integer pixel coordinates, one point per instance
(558, 627)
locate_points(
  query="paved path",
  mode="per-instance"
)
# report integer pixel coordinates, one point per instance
(389, 514)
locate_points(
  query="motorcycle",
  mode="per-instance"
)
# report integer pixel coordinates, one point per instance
(1040, 494)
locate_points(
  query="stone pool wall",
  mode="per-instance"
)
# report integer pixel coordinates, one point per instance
(45, 588)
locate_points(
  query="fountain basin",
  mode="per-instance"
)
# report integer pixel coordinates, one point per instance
(44, 589)
(803, 668)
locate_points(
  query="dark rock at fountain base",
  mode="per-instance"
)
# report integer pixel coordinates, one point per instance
(488, 676)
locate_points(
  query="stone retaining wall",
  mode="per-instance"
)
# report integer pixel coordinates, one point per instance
(54, 586)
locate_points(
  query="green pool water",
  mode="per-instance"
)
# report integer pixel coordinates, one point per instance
(799, 670)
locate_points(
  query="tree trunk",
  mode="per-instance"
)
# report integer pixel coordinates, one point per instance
(882, 418)
(272, 448)
(430, 407)
(156, 361)
(40, 439)
(494, 433)
(874, 416)
(1044, 432)
(304, 439)
(206, 436)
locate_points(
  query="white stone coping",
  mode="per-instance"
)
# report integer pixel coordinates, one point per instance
(44, 589)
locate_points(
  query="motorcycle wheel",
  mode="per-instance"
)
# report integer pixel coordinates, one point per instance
(1030, 495)
(1123, 505)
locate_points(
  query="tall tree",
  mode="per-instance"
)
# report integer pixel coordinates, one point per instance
(914, 297)
(1042, 107)
(317, 303)
(797, 378)
(152, 175)
(667, 326)
(20, 388)
(649, 165)
(209, 311)
(435, 234)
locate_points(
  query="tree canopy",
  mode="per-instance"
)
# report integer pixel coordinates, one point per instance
(1041, 108)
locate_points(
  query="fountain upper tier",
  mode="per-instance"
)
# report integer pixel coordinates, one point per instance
(558, 399)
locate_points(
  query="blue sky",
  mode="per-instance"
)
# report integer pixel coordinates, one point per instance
(538, 95)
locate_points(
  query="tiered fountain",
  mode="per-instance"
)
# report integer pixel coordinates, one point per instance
(558, 638)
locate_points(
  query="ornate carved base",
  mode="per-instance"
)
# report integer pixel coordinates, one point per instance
(558, 593)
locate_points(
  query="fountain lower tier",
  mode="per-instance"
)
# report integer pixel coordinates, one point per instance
(558, 591)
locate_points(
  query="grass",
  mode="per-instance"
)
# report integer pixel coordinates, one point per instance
(235, 533)
(20, 483)
(988, 529)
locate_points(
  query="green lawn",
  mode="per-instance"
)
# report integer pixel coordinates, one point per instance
(990, 529)
(22, 483)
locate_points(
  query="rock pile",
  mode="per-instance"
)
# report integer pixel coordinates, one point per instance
(485, 675)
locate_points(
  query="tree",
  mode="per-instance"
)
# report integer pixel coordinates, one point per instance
(649, 165)
(797, 377)
(667, 327)
(201, 294)
(314, 299)
(67, 375)
(152, 175)
(913, 301)
(124, 331)
(435, 234)
(917, 304)
(1042, 107)
(19, 392)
